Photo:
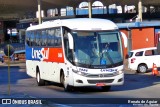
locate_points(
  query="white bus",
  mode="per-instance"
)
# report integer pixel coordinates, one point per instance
(75, 52)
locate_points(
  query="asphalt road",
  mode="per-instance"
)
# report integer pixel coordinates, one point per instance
(135, 86)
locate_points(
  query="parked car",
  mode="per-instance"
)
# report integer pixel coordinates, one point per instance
(142, 59)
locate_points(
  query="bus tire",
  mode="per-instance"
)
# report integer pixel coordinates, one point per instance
(106, 88)
(40, 82)
(64, 83)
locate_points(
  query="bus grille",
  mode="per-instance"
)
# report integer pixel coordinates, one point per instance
(100, 81)
(99, 75)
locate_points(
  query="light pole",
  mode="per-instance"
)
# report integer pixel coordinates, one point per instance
(90, 8)
(39, 12)
(140, 10)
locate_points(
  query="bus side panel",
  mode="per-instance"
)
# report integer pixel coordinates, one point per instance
(47, 60)
(55, 55)
(55, 72)
(30, 68)
(67, 69)
(52, 64)
(47, 70)
(45, 54)
(51, 71)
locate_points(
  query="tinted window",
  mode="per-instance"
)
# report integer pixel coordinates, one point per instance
(150, 52)
(139, 53)
(54, 37)
(130, 54)
(44, 37)
(37, 38)
(155, 52)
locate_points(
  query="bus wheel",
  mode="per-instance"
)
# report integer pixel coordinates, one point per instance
(64, 83)
(40, 82)
(106, 88)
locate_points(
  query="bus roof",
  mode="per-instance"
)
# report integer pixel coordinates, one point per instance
(78, 24)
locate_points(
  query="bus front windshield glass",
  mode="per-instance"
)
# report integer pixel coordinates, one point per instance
(97, 49)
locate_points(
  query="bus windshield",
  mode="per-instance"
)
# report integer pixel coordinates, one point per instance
(97, 49)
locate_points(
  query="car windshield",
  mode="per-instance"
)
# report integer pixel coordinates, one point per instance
(97, 49)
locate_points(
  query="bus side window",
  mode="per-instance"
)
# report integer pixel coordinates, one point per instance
(44, 38)
(32, 39)
(28, 38)
(36, 38)
(50, 38)
(52, 41)
(56, 42)
(40, 38)
(58, 37)
(28, 41)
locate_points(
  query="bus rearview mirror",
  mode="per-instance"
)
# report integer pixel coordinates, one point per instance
(125, 40)
(70, 38)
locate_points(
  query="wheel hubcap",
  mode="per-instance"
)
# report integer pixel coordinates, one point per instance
(143, 69)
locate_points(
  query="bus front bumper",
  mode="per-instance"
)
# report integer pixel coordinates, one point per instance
(98, 81)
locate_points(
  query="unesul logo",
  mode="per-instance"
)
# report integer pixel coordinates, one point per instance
(40, 54)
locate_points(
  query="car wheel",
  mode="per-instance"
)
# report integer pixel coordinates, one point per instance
(142, 68)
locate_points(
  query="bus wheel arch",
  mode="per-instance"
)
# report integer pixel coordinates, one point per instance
(61, 73)
(63, 81)
(40, 82)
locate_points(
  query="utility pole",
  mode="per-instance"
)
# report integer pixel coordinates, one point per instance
(39, 12)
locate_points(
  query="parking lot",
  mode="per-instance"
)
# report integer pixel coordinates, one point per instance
(136, 85)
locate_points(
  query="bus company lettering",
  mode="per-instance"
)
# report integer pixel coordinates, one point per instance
(40, 54)
(83, 70)
(108, 70)
(60, 55)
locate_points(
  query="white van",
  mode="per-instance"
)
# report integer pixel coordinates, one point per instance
(142, 59)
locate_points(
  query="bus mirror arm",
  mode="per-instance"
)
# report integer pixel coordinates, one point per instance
(71, 44)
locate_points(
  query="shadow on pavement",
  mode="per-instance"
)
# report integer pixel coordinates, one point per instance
(16, 73)
(138, 81)
(132, 82)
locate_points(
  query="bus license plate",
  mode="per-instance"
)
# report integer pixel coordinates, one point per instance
(100, 84)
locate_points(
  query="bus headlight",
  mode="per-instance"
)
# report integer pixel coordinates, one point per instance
(79, 72)
(117, 72)
(120, 72)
